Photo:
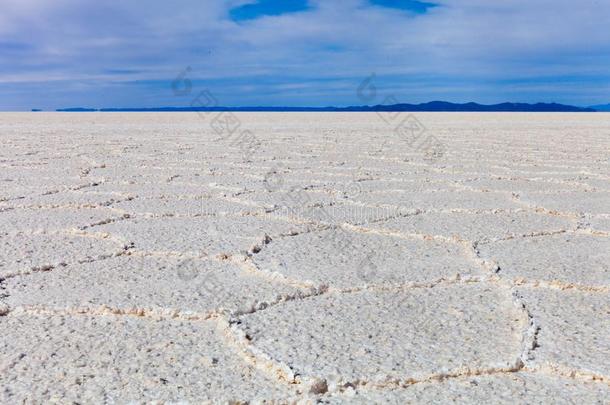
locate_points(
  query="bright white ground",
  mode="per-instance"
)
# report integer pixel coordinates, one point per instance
(158, 257)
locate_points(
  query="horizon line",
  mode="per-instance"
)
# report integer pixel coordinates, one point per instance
(431, 106)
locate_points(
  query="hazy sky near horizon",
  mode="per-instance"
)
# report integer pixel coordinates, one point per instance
(126, 53)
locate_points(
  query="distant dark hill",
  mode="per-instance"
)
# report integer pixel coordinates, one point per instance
(77, 109)
(433, 106)
(601, 107)
(475, 107)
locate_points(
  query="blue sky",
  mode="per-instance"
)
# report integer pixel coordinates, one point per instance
(126, 53)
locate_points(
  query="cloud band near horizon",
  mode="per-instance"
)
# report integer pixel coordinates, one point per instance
(66, 53)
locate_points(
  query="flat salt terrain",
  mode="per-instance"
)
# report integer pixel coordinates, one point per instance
(174, 258)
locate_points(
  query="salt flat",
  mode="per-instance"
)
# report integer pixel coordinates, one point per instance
(304, 257)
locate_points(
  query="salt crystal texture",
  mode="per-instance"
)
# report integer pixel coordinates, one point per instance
(148, 258)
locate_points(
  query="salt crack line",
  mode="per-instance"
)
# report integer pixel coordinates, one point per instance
(4, 308)
(404, 287)
(402, 235)
(50, 267)
(391, 383)
(263, 361)
(529, 337)
(246, 263)
(568, 372)
(105, 310)
(153, 313)
(558, 285)
(490, 279)
(324, 290)
(534, 234)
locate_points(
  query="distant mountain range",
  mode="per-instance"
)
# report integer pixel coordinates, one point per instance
(601, 107)
(433, 106)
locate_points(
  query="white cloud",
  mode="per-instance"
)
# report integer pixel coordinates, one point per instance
(475, 41)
